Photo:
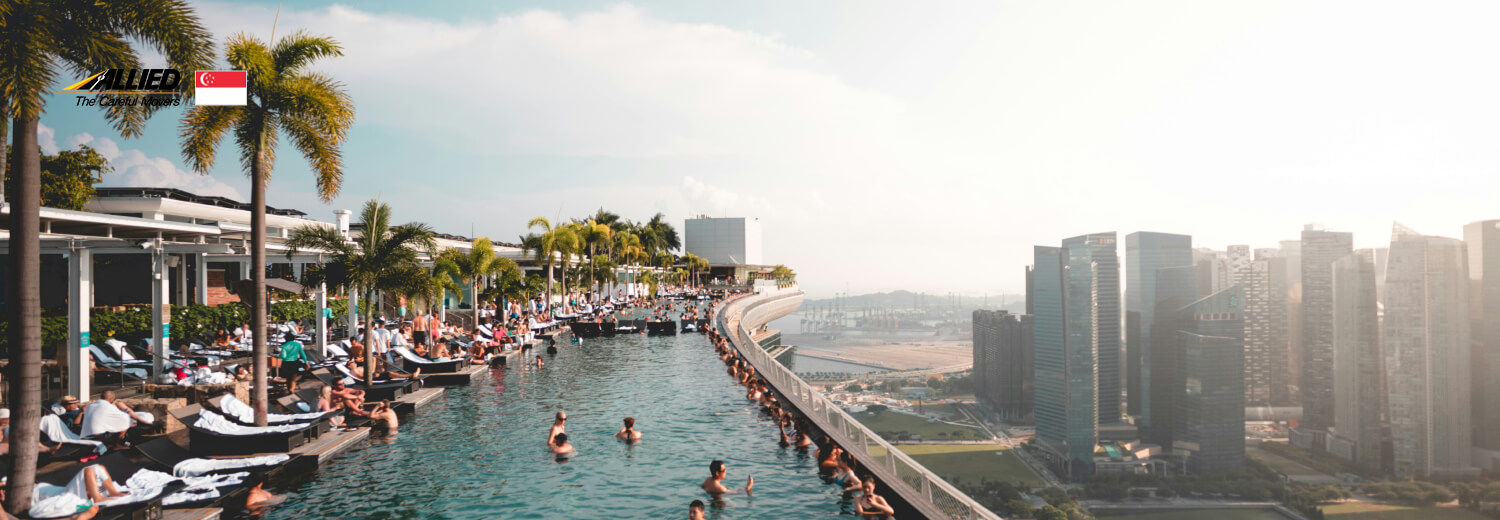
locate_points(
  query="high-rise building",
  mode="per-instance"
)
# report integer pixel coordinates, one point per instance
(1145, 253)
(1358, 368)
(1094, 292)
(1210, 417)
(1320, 249)
(1238, 259)
(1266, 352)
(1066, 411)
(1003, 376)
(1426, 332)
(1213, 270)
(1176, 287)
(1291, 250)
(1483, 242)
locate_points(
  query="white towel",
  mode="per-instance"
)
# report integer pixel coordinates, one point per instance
(53, 428)
(218, 424)
(104, 417)
(199, 467)
(237, 408)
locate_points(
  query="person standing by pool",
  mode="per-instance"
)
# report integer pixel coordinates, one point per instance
(559, 425)
(292, 359)
(714, 484)
(627, 433)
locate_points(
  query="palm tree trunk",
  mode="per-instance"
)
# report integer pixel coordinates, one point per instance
(549, 281)
(262, 374)
(474, 288)
(4, 126)
(370, 335)
(23, 310)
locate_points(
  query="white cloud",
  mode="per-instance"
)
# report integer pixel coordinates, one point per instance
(135, 169)
(46, 139)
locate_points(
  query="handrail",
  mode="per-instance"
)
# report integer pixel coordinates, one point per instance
(919, 481)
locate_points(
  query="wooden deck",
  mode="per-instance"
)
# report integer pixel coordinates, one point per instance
(463, 376)
(326, 446)
(191, 514)
(420, 398)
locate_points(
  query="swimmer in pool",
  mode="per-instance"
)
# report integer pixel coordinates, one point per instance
(714, 484)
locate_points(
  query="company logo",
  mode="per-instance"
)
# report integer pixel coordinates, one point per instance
(128, 87)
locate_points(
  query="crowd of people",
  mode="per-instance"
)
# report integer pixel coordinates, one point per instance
(795, 431)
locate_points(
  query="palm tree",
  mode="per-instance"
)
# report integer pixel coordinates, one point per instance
(660, 236)
(381, 259)
(544, 245)
(569, 242)
(473, 267)
(694, 264)
(594, 234)
(425, 286)
(39, 38)
(628, 245)
(283, 96)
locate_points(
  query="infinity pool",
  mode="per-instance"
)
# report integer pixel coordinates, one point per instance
(478, 452)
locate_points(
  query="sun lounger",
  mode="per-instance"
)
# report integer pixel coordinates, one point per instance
(661, 328)
(211, 434)
(410, 361)
(379, 391)
(181, 462)
(239, 412)
(58, 494)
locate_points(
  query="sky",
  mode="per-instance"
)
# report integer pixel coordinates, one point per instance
(888, 145)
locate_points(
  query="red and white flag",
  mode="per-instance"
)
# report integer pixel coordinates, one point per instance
(220, 87)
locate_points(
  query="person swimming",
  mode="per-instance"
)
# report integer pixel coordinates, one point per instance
(559, 425)
(844, 476)
(714, 484)
(627, 433)
(870, 505)
(561, 447)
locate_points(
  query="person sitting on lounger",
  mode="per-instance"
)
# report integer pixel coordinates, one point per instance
(627, 433)
(242, 373)
(108, 420)
(714, 484)
(327, 404)
(352, 398)
(561, 447)
(383, 372)
(384, 415)
(221, 340)
(440, 351)
(81, 515)
(72, 415)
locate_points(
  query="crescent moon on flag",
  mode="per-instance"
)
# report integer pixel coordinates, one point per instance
(207, 78)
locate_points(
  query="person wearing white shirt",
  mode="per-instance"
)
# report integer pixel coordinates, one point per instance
(380, 339)
(244, 335)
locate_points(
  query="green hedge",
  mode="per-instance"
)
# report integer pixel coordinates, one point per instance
(197, 322)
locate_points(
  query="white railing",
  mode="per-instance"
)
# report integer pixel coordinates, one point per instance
(919, 481)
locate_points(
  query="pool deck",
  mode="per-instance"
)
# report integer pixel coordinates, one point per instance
(191, 514)
(325, 447)
(421, 398)
(462, 377)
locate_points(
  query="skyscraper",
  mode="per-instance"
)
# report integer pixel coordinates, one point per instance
(1426, 333)
(1176, 287)
(1094, 292)
(1076, 329)
(1483, 242)
(1213, 270)
(1358, 368)
(1145, 253)
(1066, 409)
(1210, 417)
(1266, 349)
(1320, 249)
(1003, 368)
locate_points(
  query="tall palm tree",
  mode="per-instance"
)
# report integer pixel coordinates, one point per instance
(628, 246)
(283, 96)
(425, 286)
(568, 239)
(38, 39)
(595, 235)
(473, 267)
(381, 259)
(660, 236)
(543, 245)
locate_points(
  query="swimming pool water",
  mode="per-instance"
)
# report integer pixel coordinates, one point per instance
(479, 452)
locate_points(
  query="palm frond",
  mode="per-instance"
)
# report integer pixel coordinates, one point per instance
(203, 127)
(296, 50)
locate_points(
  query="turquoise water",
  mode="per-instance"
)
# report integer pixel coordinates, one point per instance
(478, 452)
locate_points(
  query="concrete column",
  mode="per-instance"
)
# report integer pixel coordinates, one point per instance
(320, 316)
(354, 312)
(200, 263)
(80, 298)
(161, 312)
(182, 287)
(297, 270)
(443, 306)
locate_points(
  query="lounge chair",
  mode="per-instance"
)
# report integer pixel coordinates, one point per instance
(51, 487)
(211, 434)
(379, 391)
(661, 328)
(136, 371)
(240, 413)
(410, 361)
(181, 462)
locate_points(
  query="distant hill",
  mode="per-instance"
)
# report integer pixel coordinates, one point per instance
(904, 299)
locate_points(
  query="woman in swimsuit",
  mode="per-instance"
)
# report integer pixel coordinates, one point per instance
(843, 475)
(870, 505)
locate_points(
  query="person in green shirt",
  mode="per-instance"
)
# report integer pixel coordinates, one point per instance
(292, 359)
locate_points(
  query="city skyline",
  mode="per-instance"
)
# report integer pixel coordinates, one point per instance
(896, 104)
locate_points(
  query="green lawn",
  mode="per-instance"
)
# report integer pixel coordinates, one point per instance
(888, 423)
(1279, 463)
(1197, 514)
(970, 462)
(1368, 511)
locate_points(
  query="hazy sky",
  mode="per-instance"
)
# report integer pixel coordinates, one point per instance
(884, 145)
